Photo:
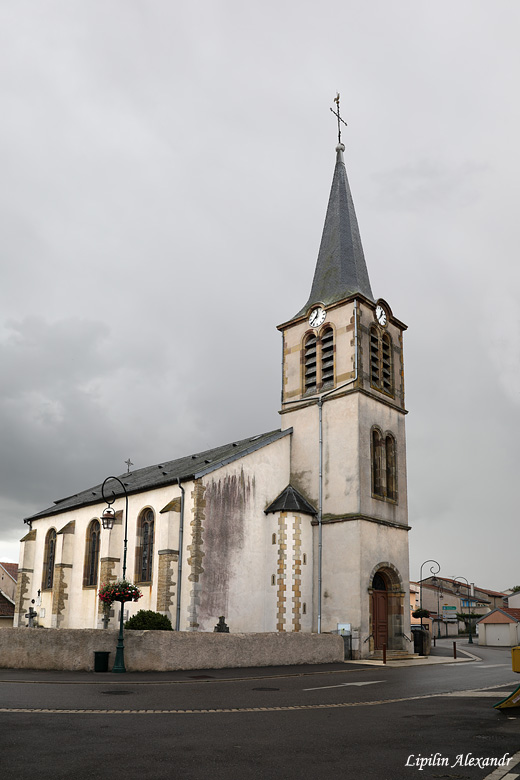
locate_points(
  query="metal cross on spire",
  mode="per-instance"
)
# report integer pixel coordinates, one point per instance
(336, 114)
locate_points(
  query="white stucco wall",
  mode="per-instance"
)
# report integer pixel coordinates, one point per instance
(352, 551)
(239, 558)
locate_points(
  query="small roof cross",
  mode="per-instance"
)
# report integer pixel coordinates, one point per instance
(337, 114)
(128, 463)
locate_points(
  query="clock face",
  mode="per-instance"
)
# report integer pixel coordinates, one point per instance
(381, 315)
(317, 317)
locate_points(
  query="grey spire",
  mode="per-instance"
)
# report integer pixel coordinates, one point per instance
(341, 269)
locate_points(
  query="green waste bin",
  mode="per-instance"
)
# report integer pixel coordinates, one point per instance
(101, 660)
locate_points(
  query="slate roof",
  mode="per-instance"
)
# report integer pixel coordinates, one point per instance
(290, 500)
(166, 473)
(341, 268)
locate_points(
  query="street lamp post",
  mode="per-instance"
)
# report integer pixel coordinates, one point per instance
(107, 518)
(457, 593)
(434, 572)
(439, 597)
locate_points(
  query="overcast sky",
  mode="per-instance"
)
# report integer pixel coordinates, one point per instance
(165, 169)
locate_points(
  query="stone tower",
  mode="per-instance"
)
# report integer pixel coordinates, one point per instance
(343, 396)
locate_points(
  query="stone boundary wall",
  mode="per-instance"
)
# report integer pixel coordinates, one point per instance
(70, 649)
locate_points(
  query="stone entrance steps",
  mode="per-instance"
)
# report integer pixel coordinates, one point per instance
(393, 655)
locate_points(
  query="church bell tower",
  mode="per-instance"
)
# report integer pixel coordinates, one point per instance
(343, 396)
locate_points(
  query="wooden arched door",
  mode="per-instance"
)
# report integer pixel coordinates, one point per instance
(379, 612)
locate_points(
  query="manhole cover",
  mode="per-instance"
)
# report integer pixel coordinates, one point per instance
(266, 689)
(117, 693)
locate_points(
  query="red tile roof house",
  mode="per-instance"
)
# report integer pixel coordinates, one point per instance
(500, 628)
(8, 577)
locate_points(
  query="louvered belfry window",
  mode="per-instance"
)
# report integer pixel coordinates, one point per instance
(381, 370)
(327, 358)
(375, 363)
(386, 344)
(310, 364)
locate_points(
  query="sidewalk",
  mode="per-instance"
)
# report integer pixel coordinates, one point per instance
(441, 654)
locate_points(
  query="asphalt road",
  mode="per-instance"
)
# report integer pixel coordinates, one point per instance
(346, 720)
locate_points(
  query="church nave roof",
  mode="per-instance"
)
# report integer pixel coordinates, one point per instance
(167, 472)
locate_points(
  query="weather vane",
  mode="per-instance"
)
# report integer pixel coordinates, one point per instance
(336, 114)
(128, 463)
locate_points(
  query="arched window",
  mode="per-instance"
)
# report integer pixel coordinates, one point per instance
(377, 464)
(327, 358)
(310, 364)
(92, 540)
(384, 465)
(48, 559)
(144, 552)
(391, 472)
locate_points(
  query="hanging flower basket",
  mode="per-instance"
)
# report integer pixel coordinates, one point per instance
(120, 590)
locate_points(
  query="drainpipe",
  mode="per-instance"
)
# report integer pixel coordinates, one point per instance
(320, 506)
(283, 377)
(179, 567)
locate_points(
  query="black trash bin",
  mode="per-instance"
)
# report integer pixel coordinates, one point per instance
(419, 639)
(101, 660)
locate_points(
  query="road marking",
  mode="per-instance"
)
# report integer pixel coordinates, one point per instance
(490, 666)
(343, 685)
(505, 774)
(466, 694)
(287, 708)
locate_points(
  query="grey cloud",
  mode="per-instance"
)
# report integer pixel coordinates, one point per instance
(431, 183)
(165, 175)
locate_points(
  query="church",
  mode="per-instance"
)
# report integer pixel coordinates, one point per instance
(304, 528)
